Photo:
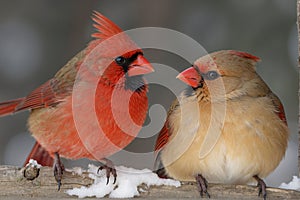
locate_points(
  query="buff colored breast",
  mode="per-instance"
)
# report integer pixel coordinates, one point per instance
(252, 142)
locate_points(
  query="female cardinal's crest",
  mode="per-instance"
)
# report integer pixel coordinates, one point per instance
(244, 55)
(106, 28)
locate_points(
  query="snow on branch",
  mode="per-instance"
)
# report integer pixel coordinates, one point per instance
(13, 185)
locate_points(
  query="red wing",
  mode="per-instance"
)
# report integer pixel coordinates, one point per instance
(41, 97)
(161, 141)
(163, 137)
(279, 107)
(165, 132)
(56, 89)
(281, 113)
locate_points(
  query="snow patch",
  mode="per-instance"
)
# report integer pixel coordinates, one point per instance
(293, 185)
(33, 163)
(126, 186)
(76, 171)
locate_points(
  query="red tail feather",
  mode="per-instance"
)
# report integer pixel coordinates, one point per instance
(40, 154)
(9, 107)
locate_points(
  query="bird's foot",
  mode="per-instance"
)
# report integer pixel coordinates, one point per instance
(110, 169)
(262, 188)
(202, 185)
(161, 173)
(58, 169)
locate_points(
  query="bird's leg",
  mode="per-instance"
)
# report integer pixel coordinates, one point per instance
(58, 169)
(110, 169)
(262, 188)
(202, 185)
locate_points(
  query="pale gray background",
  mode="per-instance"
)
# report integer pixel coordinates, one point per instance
(37, 37)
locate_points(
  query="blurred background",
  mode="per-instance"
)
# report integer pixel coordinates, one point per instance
(37, 37)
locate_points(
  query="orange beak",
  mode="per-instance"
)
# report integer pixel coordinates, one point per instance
(190, 76)
(140, 66)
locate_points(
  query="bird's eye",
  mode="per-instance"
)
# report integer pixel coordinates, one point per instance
(211, 75)
(120, 60)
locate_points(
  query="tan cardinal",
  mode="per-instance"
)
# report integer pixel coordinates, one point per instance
(228, 127)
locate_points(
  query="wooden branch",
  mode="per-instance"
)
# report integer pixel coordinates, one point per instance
(13, 185)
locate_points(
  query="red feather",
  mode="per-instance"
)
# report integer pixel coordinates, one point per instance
(278, 107)
(9, 107)
(55, 128)
(281, 113)
(105, 27)
(161, 141)
(43, 96)
(162, 138)
(40, 154)
(245, 55)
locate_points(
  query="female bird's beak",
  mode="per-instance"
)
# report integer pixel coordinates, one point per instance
(190, 76)
(140, 66)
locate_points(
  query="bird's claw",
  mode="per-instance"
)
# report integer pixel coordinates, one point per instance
(262, 188)
(109, 170)
(58, 169)
(202, 185)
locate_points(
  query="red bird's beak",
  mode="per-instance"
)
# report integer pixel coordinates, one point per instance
(140, 66)
(190, 76)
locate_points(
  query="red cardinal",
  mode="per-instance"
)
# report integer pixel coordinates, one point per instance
(228, 127)
(94, 106)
